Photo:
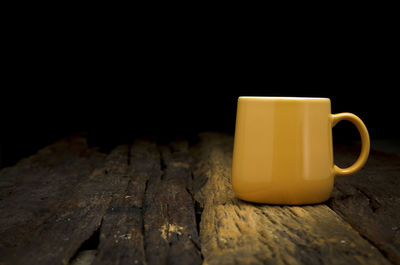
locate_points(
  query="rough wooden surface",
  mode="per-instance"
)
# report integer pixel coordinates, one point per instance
(152, 220)
(33, 191)
(170, 225)
(121, 234)
(75, 219)
(146, 202)
(137, 199)
(235, 232)
(370, 199)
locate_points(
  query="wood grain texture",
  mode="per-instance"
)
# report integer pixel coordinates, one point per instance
(122, 233)
(139, 202)
(171, 235)
(138, 197)
(34, 189)
(152, 220)
(75, 219)
(370, 199)
(236, 232)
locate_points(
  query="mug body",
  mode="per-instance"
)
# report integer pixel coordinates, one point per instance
(283, 150)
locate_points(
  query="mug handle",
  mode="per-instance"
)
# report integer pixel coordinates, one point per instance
(365, 144)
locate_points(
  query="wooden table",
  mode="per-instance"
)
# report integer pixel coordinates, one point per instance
(172, 203)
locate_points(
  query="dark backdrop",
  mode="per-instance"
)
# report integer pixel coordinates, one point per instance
(118, 88)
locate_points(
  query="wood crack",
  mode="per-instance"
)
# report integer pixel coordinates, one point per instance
(372, 202)
(143, 204)
(88, 249)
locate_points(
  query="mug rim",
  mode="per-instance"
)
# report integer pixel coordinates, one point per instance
(284, 98)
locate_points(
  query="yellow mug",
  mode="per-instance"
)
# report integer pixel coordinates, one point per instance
(283, 150)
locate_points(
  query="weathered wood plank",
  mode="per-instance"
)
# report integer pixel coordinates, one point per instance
(145, 210)
(32, 190)
(169, 220)
(140, 199)
(57, 239)
(152, 221)
(121, 235)
(370, 199)
(236, 232)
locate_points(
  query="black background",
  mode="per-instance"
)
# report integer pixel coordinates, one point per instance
(176, 80)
